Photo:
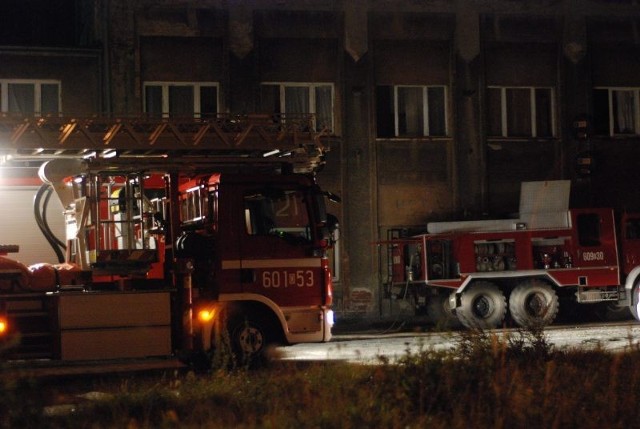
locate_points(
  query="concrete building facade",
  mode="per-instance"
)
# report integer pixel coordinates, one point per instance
(438, 109)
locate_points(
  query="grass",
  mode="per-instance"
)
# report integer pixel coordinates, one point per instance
(485, 381)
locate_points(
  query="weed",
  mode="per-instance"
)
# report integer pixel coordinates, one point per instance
(486, 380)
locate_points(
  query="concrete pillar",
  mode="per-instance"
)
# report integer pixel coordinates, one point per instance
(123, 68)
(242, 70)
(469, 173)
(359, 172)
(576, 89)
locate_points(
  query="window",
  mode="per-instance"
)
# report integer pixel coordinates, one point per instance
(411, 111)
(30, 97)
(588, 229)
(193, 205)
(181, 99)
(296, 99)
(277, 212)
(632, 229)
(520, 112)
(616, 111)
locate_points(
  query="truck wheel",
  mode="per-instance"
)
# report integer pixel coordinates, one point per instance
(635, 301)
(611, 312)
(249, 337)
(483, 306)
(533, 303)
(440, 314)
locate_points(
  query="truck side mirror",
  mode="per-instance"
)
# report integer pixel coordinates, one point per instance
(332, 228)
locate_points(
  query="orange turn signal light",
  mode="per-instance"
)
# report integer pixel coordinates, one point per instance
(4, 326)
(205, 316)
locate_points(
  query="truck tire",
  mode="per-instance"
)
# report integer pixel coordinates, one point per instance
(611, 312)
(249, 337)
(440, 314)
(483, 306)
(635, 301)
(533, 302)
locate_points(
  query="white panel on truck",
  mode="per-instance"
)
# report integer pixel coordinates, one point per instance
(18, 224)
(550, 196)
(543, 205)
(114, 325)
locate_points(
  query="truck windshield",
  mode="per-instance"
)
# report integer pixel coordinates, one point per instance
(280, 212)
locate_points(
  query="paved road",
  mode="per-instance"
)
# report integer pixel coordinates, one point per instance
(369, 347)
(363, 347)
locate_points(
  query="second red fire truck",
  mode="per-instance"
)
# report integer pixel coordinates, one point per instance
(480, 273)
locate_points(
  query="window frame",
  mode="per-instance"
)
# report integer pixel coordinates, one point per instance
(426, 128)
(37, 94)
(196, 86)
(612, 119)
(504, 131)
(311, 87)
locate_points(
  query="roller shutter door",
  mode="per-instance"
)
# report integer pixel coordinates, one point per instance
(18, 225)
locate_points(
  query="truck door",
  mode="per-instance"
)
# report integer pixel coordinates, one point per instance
(630, 241)
(277, 256)
(596, 241)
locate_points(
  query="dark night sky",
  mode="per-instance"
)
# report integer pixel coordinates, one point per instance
(37, 22)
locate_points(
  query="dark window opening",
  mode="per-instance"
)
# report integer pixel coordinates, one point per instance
(494, 111)
(181, 101)
(208, 100)
(519, 112)
(601, 112)
(632, 230)
(588, 229)
(384, 111)
(544, 118)
(437, 121)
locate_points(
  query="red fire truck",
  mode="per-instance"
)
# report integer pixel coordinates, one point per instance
(478, 273)
(173, 251)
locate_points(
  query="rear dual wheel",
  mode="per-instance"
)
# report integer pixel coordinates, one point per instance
(483, 306)
(532, 303)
